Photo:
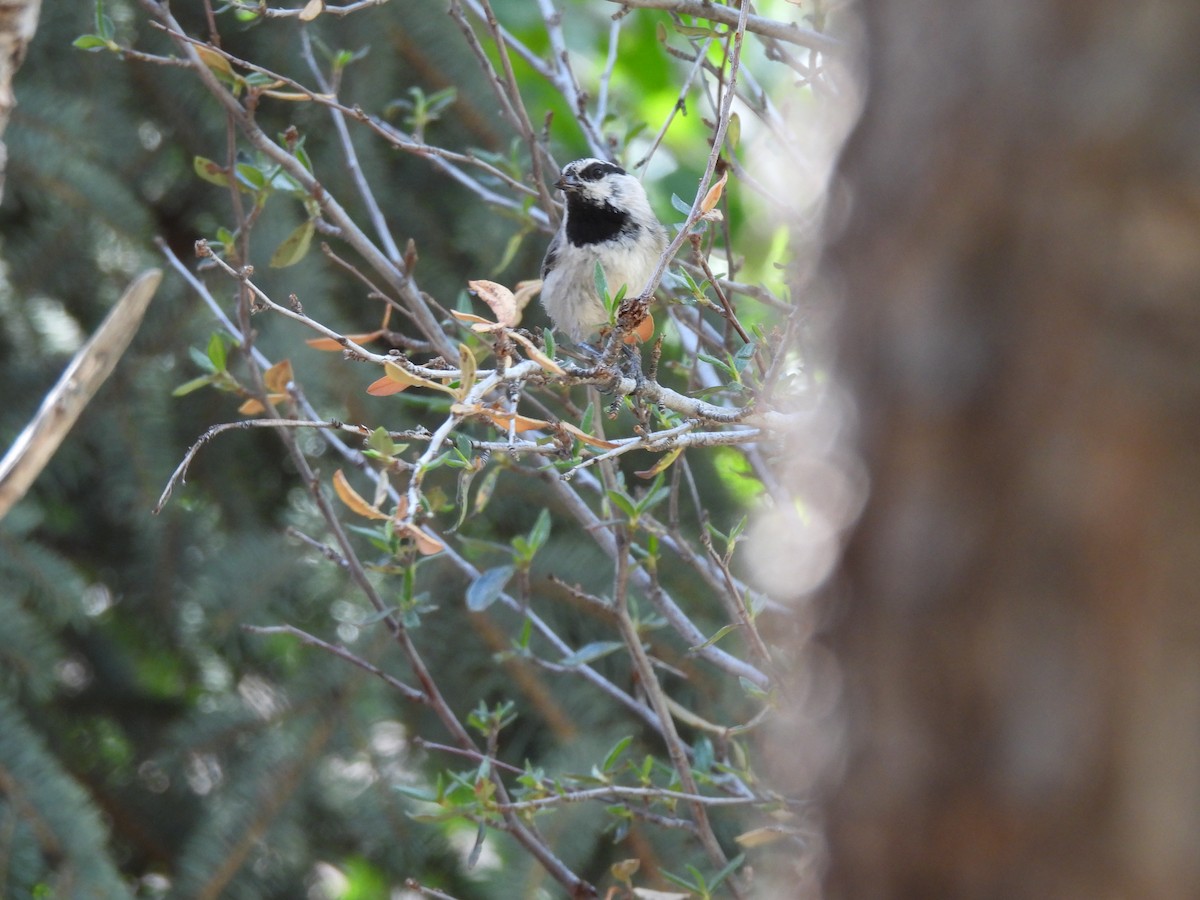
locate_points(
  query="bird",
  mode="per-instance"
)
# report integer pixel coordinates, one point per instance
(608, 219)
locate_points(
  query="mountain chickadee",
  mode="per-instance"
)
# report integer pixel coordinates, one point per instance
(607, 220)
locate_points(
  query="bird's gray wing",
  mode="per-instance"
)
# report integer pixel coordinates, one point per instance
(552, 254)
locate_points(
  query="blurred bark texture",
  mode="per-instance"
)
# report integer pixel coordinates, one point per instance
(18, 22)
(1020, 638)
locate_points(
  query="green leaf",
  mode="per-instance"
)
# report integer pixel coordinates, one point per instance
(702, 755)
(733, 134)
(378, 616)
(294, 246)
(216, 352)
(676, 879)
(615, 753)
(302, 155)
(589, 652)
(540, 531)
(680, 205)
(743, 356)
(721, 632)
(465, 477)
(194, 385)
(486, 589)
(601, 282)
(201, 361)
(486, 488)
(623, 503)
(417, 793)
(252, 177)
(719, 363)
(510, 250)
(732, 866)
(210, 171)
(92, 43)
(282, 181)
(752, 689)
(381, 442)
(104, 25)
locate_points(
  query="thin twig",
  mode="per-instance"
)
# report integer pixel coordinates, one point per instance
(341, 653)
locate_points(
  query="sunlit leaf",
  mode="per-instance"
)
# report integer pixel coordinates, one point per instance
(312, 9)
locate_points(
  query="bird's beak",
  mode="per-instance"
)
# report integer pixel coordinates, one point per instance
(568, 183)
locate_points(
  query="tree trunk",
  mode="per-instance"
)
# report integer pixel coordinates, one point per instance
(1021, 328)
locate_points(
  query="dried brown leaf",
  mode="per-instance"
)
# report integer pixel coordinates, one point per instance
(351, 498)
(500, 299)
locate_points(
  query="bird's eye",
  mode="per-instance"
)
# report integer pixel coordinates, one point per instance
(597, 170)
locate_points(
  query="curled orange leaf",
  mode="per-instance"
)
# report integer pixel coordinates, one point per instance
(664, 462)
(334, 344)
(713, 197)
(351, 498)
(427, 545)
(253, 408)
(500, 418)
(411, 379)
(470, 317)
(537, 355)
(642, 333)
(385, 387)
(586, 438)
(278, 377)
